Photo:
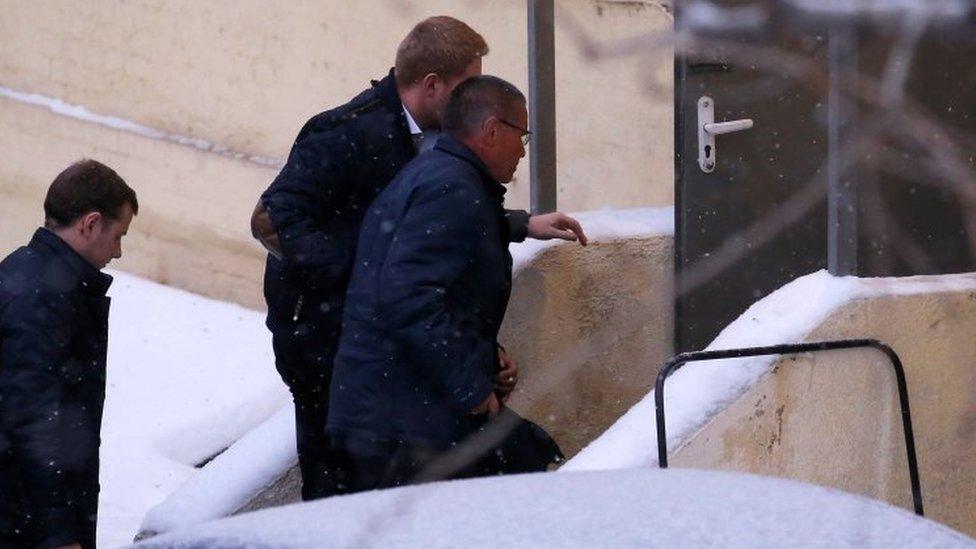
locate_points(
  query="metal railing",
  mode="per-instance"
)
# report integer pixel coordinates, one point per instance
(680, 360)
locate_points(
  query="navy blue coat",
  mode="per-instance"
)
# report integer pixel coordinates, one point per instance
(427, 297)
(53, 340)
(341, 160)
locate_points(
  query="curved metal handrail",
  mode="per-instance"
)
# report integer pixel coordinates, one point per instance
(680, 360)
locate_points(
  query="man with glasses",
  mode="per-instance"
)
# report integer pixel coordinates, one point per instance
(415, 373)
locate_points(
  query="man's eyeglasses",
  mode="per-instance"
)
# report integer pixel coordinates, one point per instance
(526, 134)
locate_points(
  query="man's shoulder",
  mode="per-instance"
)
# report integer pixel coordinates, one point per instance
(436, 173)
(28, 273)
(367, 111)
(20, 270)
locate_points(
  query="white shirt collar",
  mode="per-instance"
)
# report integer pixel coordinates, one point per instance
(411, 123)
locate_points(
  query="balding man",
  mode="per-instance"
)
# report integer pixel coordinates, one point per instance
(415, 371)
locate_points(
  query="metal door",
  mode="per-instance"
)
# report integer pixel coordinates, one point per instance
(837, 169)
(757, 219)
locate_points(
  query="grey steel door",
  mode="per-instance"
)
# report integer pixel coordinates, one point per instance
(859, 157)
(757, 219)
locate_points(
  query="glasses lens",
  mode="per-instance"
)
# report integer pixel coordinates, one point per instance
(526, 138)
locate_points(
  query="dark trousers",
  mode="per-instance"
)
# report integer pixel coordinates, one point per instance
(19, 527)
(509, 444)
(303, 357)
(369, 465)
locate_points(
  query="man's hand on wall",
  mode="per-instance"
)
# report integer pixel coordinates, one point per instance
(507, 376)
(555, 225)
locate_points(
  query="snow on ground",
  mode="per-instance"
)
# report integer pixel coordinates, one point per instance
(228, 482)
(632, 508)
(187, 376)
(695, 394)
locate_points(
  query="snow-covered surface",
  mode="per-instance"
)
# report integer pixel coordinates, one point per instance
(187, 376)
(79, 112)
(696, 394)
(602, 225)
(232, 478)
(632, 508)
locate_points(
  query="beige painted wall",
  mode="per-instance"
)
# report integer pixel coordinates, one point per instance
(590, 327)
(246, 74)
(833, 419)
(191, 231)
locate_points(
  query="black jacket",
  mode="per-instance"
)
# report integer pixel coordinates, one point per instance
(53, 340)
(428, 294)
(341, 160)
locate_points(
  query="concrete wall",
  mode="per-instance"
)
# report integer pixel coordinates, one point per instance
(245, 75)
(590, 327)
(833, 419)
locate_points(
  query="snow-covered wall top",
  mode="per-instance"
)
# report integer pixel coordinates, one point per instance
(694, 395)
(603, 225)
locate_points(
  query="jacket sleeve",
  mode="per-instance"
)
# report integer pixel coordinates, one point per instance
(518, 225)
(35, 365)
(307, 195)
(431, 248)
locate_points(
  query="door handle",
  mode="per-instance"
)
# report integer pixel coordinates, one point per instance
(708, 129)
(718, 128)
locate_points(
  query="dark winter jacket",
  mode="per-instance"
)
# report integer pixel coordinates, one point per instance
(53, 339)
(428, 294)
(340, 161)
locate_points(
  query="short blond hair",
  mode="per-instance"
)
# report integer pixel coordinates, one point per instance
(441, 45)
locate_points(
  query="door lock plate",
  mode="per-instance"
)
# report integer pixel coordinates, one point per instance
(708, 129)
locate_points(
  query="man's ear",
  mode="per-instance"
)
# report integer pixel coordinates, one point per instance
(90, 222)
(489, 129)
(429, 84)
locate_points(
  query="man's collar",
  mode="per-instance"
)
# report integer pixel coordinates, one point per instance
(411, 123)
(456, 147)
(387, 91)
(92, 279)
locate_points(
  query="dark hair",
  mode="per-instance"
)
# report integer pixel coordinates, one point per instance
(86, 186)
(441, 45)
(477, 98)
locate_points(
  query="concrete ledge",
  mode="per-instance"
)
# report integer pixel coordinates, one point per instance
(833, 418)
(590, 327)
(829, 418)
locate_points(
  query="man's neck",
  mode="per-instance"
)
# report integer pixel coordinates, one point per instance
(72, 239)
(413, 104)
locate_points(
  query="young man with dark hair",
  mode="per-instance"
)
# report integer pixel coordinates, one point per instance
(416, 372)
(309, 217)
(53, 341)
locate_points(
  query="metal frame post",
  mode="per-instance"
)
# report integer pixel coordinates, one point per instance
(842, 188)
(542, 106)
